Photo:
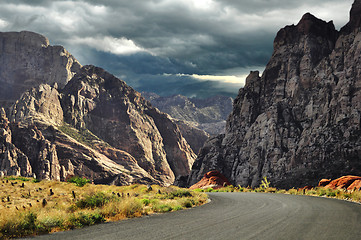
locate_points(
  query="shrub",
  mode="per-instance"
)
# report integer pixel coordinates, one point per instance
(331, 193)
(94, 200)
(177, 208)
(179, 193)
(292, 191)
(187, 203)
(79, 181)
(132, 208)
(162, 208)
(265, 183)
(24, 179)
(321, 192)
(145, 201)
(82, 219)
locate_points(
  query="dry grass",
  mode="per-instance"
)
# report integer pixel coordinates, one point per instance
(32, 209)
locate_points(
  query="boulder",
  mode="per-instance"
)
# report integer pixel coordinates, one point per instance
(342, 182)
(213, 179)
(324, 182)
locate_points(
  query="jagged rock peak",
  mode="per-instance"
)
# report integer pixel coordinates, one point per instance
(355, 18)
(308, 25)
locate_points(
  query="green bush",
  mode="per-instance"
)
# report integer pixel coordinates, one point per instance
(187, 203)
(145, 201)
(85, 220)
(331, 193)
(79, 181)
(179, 193)
(92, 201)
(162, 208)
(321, 192)
(24, 179)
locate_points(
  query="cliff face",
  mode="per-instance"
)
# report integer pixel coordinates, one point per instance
(86, 123)
(301, 120)
(27, 60)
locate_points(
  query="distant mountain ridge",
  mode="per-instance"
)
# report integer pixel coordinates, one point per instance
(80, 120)
(301, 120)
(208, 114)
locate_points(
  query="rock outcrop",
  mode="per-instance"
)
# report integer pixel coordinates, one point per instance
(100, 102)
(301, 120)
(213, 179)
(27, 60)
(345, 182)
(86, 122)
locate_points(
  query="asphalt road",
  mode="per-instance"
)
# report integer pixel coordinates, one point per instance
(238, 216)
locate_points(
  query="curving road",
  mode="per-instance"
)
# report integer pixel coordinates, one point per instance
(238, 216)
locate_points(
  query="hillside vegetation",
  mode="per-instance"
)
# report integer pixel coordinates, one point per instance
(29, 207)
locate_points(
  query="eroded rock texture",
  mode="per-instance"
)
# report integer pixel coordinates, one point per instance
(27, 60)
(86, 122)
(301, 120)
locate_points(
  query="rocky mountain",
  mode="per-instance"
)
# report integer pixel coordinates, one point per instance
(301, 120)
(27, 60)
(86, 122)
(209, 114)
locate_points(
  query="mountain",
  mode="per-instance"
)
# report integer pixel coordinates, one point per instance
(27, 60)
(301, 120)
(80, 120)
(208, 114)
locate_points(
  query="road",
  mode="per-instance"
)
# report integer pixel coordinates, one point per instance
(238, 216)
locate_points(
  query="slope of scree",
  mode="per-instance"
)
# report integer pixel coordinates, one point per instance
(301, 120)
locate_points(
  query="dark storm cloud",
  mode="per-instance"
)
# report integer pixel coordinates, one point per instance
(155, 37)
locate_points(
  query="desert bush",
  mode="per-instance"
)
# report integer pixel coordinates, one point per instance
(84, 219)
(145, 201)
(161, 208)
(265, 183)
(179, 193)
(292, 191)
(132, 208)
(321, 192)
(356, 196)
(79, 181)
(187, 203)
(98, 199)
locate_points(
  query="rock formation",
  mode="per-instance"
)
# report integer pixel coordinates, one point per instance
(213, 179)
(301, 120)
(345, 182)
(27, 60)
(86, 123)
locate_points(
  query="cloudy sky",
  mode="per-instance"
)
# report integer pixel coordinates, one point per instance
(191, 47)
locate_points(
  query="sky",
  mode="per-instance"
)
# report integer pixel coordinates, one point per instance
(197, 48)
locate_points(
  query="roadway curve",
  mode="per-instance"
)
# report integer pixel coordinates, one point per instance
(238, 216)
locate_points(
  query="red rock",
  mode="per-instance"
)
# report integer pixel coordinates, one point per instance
(342, 182)
(324, 182)
(355, 185)
(212, 179)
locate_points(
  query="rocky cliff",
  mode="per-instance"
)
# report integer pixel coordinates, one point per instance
(27, 60)
(301, 120)
(86, 123)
